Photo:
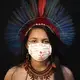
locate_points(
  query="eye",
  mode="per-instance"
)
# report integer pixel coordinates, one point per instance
(33, 41)
(46, 41)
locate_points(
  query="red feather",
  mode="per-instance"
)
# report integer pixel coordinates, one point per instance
(41, 7)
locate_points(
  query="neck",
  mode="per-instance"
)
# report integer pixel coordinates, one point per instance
(39, 65)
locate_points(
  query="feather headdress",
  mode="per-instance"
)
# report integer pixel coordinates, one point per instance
(39, 12)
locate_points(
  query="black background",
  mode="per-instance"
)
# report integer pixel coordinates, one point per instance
(71, 58)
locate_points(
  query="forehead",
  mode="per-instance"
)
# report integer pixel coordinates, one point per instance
(38, 33)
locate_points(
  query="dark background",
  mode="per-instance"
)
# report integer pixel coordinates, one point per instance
(71, 58)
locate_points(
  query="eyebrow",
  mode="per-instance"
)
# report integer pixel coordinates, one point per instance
(42, 39)
(46, 39)
(33, 38)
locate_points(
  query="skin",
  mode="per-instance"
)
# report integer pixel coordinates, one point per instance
(38, 36)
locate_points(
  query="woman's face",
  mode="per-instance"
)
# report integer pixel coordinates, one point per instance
(38, 36)
(38, 45)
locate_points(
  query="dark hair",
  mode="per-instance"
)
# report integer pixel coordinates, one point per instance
(54, 41)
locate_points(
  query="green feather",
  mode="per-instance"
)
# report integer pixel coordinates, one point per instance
(34, 7)
(52, 5)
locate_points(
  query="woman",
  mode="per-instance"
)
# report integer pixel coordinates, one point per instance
(40, 40)
(40, 64)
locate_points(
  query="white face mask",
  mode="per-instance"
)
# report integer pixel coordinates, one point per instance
(39, 51)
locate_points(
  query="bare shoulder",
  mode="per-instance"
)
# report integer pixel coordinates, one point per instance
(67, 73)
(9, 73)
(15, 72)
